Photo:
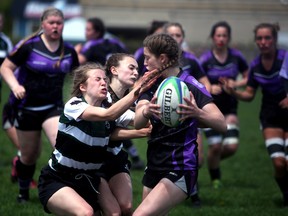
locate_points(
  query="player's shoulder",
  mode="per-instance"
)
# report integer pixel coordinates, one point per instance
(205, 56)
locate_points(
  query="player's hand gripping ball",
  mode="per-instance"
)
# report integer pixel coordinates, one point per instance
(170, 94)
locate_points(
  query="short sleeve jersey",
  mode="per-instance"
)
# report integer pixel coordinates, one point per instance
(175, 148)
(101, 49)
(81, 145)
(284, 67)
(269, 80)
(234, 65)
(191, 65)
(39, 74)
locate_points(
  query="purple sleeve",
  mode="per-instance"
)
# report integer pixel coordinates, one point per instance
(284, 67)
(243, 64)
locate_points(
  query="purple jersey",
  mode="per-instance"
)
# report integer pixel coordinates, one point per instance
(273, 91)
(284, 68)
(234, 64)
(284, 72)
(101, 49)
(190, 64)
(39, 74)
(269, 80)
(175, 148)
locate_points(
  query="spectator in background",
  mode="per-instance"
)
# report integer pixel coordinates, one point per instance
(223, 61)
(43, 59)
(265, 73)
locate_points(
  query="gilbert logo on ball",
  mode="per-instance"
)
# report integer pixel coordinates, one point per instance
(170, 94)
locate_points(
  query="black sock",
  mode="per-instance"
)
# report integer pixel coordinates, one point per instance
(283, 185)
(215, 174)
(25, 175)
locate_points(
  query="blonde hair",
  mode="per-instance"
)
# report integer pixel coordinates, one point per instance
(50, 11)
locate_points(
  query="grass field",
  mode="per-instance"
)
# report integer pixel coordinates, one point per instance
(248, 186)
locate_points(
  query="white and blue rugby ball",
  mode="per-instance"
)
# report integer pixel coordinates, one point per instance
(169, 95)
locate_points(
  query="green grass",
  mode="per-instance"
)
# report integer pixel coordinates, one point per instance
(248, 185)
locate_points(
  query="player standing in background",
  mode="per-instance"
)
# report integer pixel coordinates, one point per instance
(223, 61)
(265, 73)
(97, 47)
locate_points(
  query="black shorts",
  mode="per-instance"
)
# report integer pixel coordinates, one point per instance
(116, 164)
(28, 120)
(226, 103)
(272, 117)
(8, 116)
(185, 180)
(84, 184)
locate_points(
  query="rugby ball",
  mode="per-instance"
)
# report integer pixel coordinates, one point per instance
(169, 95)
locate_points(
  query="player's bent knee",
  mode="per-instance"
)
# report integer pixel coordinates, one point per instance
(232, 135)
(275, 147)
(87, 212)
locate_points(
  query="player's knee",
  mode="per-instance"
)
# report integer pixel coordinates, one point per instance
(232, 135)
(126, 208)
(279, 166)
(229, 150)
(275, 147)
(112, 212)
(212, 136)
(215, 149)
(88, 211)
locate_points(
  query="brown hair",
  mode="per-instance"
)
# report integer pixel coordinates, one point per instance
(274, 28)
(168, 25)
(114, 60)
(159, 44)
(223, 24)
(81, 75)
(98, 26)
